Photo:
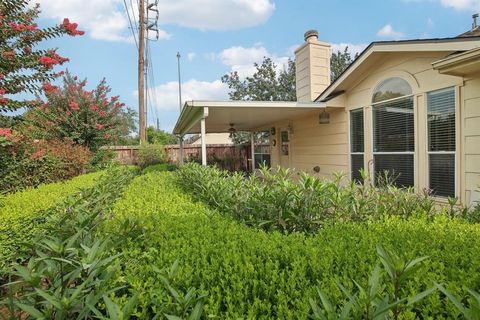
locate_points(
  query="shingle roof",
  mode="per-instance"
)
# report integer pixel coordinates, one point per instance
(471, 33)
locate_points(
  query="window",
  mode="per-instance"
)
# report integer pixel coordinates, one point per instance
(262, 149)
(393, 133)
(390, 89)
(441, 141)
(356, 144)
(285, 142)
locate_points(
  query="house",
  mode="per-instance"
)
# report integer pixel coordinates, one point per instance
(409, 107)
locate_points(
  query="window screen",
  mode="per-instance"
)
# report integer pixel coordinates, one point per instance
(356, 144)
(441, 141)
(394, 141)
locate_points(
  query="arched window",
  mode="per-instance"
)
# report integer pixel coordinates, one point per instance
(390, 89)
(394, 132)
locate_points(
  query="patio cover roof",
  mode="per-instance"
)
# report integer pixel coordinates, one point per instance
(244, 115)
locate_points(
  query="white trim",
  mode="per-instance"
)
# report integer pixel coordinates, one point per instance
(254, 104)
(373, 104)
(427, 45)
(415, 143)
(455, 153)
(252, 146)
(204, 143)
(350, 153)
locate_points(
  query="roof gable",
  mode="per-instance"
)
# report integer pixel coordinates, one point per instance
(379, 49)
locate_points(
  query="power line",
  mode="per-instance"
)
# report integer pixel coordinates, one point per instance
(130, 22)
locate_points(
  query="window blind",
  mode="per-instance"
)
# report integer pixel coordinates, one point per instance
(356, 144)
(356, 131)
(442, 174)
(395, 168)
(357, 165)
(393, 129)
(441, 120)
(441, 141)
(394, 142)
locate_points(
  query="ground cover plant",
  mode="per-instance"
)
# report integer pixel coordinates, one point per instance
(22, 213)
(69, 264)
(250, 273)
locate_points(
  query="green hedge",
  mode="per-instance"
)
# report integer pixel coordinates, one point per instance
(21, 212)
(255, 274)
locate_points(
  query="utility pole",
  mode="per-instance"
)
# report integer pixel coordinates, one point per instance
(179, 83)
(141, 68)
(158, 124)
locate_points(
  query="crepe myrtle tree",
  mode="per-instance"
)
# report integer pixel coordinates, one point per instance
(23, 67)
(89, 118)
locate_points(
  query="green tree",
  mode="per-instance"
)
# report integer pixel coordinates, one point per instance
(89, 118)
(157, 136)
(23, 68)
(339, 62)
(266, 84)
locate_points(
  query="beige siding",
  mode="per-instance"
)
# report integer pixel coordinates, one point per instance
(312, 70)
(312, 144)
(327, 146)
(470, 139)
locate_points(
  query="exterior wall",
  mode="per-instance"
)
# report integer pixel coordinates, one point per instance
(327, 146)
(470, 140)
(313, 144)
(417, 70)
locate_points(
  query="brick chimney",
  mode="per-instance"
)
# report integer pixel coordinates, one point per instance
(312, 62)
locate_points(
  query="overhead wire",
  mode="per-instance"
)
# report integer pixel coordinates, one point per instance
(130, 21)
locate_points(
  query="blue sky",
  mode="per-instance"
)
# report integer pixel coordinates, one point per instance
(215, 37)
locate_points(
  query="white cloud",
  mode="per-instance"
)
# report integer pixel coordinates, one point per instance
(215, 14)
(388, 32)
(191, 56)
(167, 93)
(352, 48)
(242, 59)
(107, 19)
(101, 19)
(462, 4)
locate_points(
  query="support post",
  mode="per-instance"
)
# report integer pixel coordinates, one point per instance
(204, 144)
(141, 70)
(252, 142)
(180, 156)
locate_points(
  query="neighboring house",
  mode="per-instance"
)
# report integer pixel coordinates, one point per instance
(411, 107)
(213, 138)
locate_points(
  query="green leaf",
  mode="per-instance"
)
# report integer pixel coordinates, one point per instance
(452, 298)
(30, 310)
(51, 299)
(197, 312)
(420, 296)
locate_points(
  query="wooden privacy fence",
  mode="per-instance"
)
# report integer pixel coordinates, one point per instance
(233, 158)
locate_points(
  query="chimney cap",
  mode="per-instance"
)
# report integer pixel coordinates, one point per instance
(311, 33)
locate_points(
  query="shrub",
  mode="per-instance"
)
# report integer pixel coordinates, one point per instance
(88, 117)
(150, 154)
(70, 264)
(274, 200)
(28, 163)
(22, 213)
(249, 273)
